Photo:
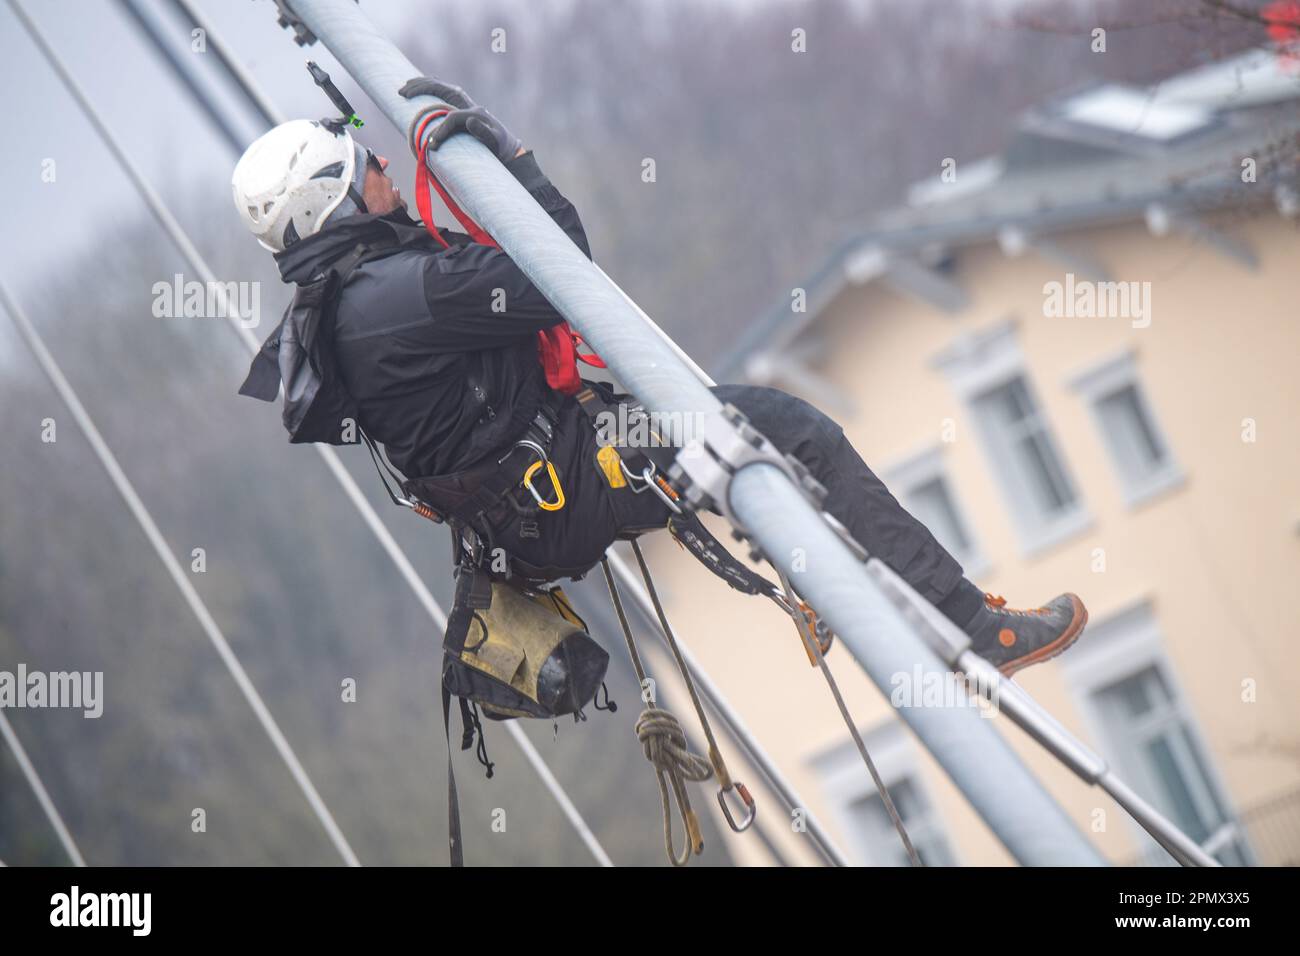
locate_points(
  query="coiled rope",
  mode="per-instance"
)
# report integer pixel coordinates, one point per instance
(664, 743)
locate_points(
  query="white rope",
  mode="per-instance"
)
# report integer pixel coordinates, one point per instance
(368, 514)
(42, 797)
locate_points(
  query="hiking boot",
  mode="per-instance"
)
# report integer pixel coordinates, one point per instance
(1012, 640)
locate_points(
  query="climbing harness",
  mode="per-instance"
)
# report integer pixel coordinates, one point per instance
(504, 677)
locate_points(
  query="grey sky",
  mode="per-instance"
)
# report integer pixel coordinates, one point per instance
(150, 111)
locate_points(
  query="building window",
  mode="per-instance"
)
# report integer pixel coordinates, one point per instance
(1147, 731)
(1018, 435)
(1124, 416)
(883, 845)
(860, 812)
(987, 370)
(921, 483)
(1143, 719)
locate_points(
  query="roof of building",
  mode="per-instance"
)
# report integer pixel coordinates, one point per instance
(1099, 155)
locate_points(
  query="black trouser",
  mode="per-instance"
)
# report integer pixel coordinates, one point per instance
(595, 514)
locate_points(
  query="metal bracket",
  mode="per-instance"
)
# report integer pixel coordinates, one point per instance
(728, 443)
(290, 20)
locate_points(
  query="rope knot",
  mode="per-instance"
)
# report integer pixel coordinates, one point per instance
(664, 743)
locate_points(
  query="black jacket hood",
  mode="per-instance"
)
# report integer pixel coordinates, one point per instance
(308, 258)
(410, 347)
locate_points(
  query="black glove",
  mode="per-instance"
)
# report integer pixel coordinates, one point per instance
(468, 117)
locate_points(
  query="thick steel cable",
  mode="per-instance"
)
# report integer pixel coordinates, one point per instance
(150, 29)
(372, 520)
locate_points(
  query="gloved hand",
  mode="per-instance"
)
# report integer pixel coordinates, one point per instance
(467, 117)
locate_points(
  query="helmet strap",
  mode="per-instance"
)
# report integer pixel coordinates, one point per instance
(357, 198)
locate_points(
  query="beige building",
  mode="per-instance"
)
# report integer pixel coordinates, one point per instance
(1076, 362)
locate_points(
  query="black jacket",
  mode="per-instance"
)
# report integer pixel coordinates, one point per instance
(440, 378)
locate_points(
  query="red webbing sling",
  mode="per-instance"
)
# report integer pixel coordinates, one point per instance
(557, 346)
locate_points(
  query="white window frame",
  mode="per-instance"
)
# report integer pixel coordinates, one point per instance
(977, 363)
(1119, 646)
(846, 782)
(921, 468)
(1103, 379)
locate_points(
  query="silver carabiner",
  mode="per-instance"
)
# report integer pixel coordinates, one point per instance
(529, 444)
(647, 479)
(751, 809)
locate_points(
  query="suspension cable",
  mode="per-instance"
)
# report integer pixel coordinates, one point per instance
(183, 583)
(42, 796)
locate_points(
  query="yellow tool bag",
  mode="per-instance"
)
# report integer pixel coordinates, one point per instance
(518, 653)
(511, 652)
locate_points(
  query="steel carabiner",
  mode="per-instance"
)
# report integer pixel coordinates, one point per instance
(751, 809)
(652, 480)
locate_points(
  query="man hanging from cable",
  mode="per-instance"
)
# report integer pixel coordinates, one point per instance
(435, 344)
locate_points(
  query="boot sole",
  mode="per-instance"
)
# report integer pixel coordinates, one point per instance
(1058, 646)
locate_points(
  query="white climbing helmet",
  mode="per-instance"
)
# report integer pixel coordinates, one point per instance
(293, 178)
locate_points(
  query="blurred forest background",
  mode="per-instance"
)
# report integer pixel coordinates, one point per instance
(764, 158)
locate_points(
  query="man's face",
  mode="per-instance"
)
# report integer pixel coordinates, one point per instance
(380, 194)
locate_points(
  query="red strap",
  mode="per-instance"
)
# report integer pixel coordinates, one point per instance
(593, 358)
(422, 178)
(556, 353)
(557, 346)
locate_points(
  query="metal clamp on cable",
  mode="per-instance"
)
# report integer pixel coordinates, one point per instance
(730, 443)
(288, 18)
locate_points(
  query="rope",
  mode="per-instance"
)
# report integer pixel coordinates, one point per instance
(814, 649)
(725, 782)
(664, 743)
